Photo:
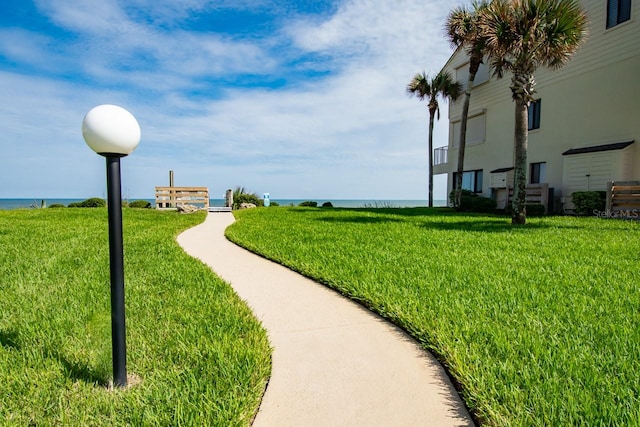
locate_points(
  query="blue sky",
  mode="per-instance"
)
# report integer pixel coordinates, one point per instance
(301, 99)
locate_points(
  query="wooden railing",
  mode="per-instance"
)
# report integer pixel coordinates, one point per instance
(537, 194)
(623, 196)
(172, 197)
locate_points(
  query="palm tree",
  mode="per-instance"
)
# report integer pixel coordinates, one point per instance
(522, 35)
(463, 30)
(424, 88)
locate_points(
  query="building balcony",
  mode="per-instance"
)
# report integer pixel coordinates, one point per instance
(440, 156)
(440, 160)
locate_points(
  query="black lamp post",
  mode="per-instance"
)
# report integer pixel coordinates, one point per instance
(113, 132)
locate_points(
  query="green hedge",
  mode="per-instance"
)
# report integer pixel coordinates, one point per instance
(585, 202)
(139, 204)
(471, 202)
(532, 209)
(93, 202)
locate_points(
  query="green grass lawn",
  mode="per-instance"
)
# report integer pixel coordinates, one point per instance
(202, 357)
(538, 325)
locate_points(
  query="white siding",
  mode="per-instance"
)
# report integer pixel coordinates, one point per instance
(576, 169)
(590, 171)
(462, 75)
(600, 171)
(591, 101)
(476, 131)
(626, 164)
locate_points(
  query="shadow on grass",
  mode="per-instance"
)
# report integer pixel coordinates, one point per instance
(419, 211)
(410, 212)
(499, 225)
(79, 371)
(9, 339)
(359, 219)
(83, 372)
(450, 219)
(74, 370)
(381, 214)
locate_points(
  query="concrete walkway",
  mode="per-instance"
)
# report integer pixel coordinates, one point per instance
(334, 362)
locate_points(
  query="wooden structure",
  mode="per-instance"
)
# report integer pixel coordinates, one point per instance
(623, 196)
(172, 197)
(537, 194)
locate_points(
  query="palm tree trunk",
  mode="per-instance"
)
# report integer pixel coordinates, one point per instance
(519, 214)
(461, 147)
(431, 116)
(473, 70)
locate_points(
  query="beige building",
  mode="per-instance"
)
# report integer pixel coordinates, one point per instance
(584, 126)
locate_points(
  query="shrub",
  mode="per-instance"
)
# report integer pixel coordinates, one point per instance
(240, 196)
(327, 205)
(274, 204)
(93, 202)
(532, 209)
(465, 193)
(471, 202)
(56, 206)
(586, 202)
(140, 204)
(247, 198)
(309, 204)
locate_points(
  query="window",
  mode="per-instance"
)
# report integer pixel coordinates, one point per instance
(618, 11)
(471, 180)
(538, 173)
(476, 129)
(462, 75)
(534, 114)
(482, 75)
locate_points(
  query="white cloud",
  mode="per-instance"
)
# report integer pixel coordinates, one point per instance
(388, 33)
(110, 45)
(353, 133)
(22, 46)
(100, 17)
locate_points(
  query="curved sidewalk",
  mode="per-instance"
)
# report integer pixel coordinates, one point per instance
(334, 362)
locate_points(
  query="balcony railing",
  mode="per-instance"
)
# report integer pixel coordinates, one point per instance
(440, 156)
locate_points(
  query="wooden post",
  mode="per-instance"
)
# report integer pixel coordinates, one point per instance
(544, 197)
(609, 197)
(172, 201)
(229, 199)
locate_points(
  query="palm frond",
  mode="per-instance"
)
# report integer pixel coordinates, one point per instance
(419, 86)
(442, 84)
(540, 32)
(457, 26)
(462, 27)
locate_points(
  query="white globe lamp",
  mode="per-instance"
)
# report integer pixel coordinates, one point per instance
(111, 130)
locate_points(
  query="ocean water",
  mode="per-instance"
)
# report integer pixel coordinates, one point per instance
(8, 204)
